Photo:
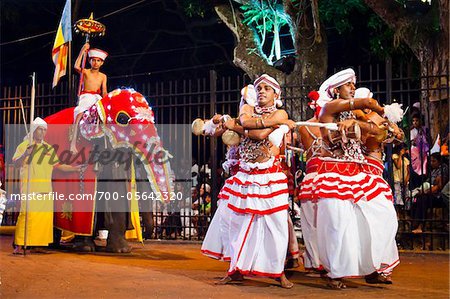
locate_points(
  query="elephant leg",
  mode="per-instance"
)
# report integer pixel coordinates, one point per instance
(149, 225)
(83, 244)
(116, 241)
(56, 238)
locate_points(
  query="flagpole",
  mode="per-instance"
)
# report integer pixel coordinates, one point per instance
(70, 74)
(30, 140)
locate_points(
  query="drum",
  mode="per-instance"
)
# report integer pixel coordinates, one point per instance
(198, 126)
(354, 132)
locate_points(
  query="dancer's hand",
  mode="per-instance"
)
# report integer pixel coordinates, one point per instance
(290, 123)
(216, 119)
(29, 150)
(229, 124)
(343, 126)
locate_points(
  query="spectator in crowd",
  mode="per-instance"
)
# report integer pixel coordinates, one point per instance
(174, 218)
(2, 202)
(194, 173)
(401, 173)
(203, 206)
(2, 166)
(194, 213)
(432, 196)
(444, 146)
(205, 171)
(420, 145)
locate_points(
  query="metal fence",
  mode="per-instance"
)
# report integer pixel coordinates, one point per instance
(181, 101)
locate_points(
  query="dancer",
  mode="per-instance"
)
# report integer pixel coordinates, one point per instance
(216, 241)
(258, 193)
(342, 188)
(380, 212)
(311, 141)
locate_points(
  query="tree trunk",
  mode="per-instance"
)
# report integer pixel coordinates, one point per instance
(310, 62)
(431, 50)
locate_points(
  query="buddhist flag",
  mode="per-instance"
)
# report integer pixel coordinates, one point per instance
(60, 50)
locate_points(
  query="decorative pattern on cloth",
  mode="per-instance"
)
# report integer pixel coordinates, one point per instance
(261, 110)
(352, 149)
(89, 123)
(258, 188)
(85, 101)
(347, 180)
(250, 149)
(231, 164)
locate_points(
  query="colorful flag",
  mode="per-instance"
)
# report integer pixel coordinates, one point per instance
(60, 50)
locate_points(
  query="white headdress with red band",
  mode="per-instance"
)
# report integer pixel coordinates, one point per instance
(97, 53)
(272, 83)
(248, 95)
(363, 92)
(338, 79)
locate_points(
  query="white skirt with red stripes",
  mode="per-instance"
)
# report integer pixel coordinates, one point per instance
(308, 216)
(356, 239)
(308, 219)
(348, 180)
(257, 188)
(216, 242)
(382, 218)
(306, 190)
(259, 243)
(258, 199)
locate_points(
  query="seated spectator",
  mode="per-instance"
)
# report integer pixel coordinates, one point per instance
(420, 145)
(203, 206)
(174, 218)
(401, 173)
(432, 196)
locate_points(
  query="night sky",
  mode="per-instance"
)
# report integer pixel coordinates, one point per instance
(153, 36)
(150, 37)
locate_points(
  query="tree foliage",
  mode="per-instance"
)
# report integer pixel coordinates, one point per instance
(344, 17)
(266, 18)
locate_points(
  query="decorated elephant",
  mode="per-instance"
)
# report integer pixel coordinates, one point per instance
(116, 136)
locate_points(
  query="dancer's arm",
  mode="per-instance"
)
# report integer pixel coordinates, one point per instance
(336, 106)
(83, 50)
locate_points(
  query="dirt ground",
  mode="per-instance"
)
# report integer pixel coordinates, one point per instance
(179, 270)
